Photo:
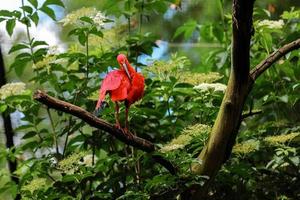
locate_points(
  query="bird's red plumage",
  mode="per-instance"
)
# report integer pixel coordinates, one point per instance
(121, 87)
(136, 91)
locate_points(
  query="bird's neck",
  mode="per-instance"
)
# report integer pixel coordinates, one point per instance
(130, 69)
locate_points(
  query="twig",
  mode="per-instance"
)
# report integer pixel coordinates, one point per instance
(87, 56)
(54, 132)
(251, 113)
(272, 58)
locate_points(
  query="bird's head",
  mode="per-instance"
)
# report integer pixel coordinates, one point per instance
(124, 64)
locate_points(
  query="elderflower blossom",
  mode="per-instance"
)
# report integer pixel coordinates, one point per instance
(111, 37)
(173, 67)
(198, 78)
(35, 184)
(246, 147)
(271, 24)
(73, 18)
(45, 62)
(217, 87)
(281, 138)
(48, 59)
(70, 164)
(11, 89)
(186, 136)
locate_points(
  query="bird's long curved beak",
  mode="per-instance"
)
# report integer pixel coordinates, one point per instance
(126, 70)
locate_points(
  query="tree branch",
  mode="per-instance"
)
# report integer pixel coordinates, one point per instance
(272, 58)
(93, 121)
(250, 114)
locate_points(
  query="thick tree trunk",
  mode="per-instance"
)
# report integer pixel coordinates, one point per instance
(228, 119)
(8, 130)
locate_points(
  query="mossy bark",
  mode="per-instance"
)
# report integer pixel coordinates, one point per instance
(229, 116)
(8, 130)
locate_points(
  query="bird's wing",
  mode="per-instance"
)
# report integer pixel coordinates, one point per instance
(137, 88)
(111, 82)
(121, 92)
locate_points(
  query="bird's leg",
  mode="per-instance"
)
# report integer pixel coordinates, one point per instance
(126, 129)
(117, 116)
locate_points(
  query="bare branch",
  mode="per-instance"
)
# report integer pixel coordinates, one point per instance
(251, 113)
(272, 58)
(93, 121)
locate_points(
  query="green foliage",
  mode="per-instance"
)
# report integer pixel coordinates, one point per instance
(60, 157)
(186, 29)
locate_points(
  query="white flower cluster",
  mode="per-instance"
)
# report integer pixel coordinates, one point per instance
(48, 59)
(70, 164)
(73, 18)
(45, 62)
(171, 147)
(217, 87)
(99, 19)
(11, 89)
(35, 184)
(271, 24)
(186, 136)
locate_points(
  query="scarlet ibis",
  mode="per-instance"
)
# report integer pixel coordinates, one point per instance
(124, 84)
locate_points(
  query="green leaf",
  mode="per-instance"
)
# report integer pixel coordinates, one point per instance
(39, 43)
(284, 98)
(35, 18)
(6, 13)
(17, 14)
(40, 52)
(19, 98)
(3, 108)
(96, 32)
(73, 32)
(18, 47)
(48, 11)
(206, 33)
(10, 25)
(19, 65)
(295, 86)
(24, 127)
(82, 39)
(30, 145)
(218, 32)
(29, 134)
(23, 55)
(27, 9)
(87, 19)
(187, 29)
(183, 85)
(54, 2)
(34, 3)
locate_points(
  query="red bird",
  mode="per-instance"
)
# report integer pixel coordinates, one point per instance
(124, 84)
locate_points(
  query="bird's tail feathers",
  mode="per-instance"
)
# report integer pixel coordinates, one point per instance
(101, 104)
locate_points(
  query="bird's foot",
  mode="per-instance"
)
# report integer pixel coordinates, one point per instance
(118, 126)
(127, 132)
(124, 130)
